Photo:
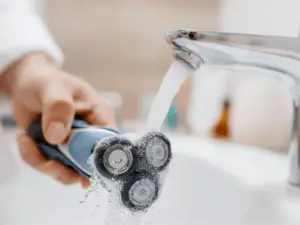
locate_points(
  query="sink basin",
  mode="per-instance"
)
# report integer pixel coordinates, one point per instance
(209, 182)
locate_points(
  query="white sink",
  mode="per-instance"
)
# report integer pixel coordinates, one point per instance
(208, 183)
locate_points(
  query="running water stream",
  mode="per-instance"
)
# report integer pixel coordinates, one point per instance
(170, 86)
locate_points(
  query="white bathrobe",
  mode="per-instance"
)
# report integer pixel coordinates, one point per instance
(22, 31)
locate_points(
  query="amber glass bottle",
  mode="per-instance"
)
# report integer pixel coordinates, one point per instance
(221, 130)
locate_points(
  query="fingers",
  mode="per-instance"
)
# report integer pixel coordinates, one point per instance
(30, 152)
(101, 116)
(23, 116)
(60, 104)
(61, 173)
(57, 113)
(101, 113)
(32, 156)
(84, 182)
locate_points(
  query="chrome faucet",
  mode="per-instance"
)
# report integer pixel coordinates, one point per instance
(279, 55)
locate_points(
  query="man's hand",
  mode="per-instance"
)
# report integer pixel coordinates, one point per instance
(38, 88)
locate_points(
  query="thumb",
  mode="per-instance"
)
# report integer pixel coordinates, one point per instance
(57, 113)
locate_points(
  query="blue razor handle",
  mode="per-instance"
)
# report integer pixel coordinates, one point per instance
(134, 166)
(77, 149)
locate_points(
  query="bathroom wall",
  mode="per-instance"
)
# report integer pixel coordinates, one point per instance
(120, 45)
(276, 17)
(262, 112)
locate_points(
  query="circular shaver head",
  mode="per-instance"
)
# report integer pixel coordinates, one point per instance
(139, 191)
(154, 149)
(114, 157)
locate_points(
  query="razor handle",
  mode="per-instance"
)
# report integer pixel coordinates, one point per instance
(77, 149)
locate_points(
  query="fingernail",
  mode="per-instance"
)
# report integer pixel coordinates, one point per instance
(85, 186)
(23, 144)
(84, 183)
(55, 132)
(83, 105)
(56, 174)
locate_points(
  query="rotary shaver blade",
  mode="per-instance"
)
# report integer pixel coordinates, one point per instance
(154, 150)
(114, 157)
(139, 191)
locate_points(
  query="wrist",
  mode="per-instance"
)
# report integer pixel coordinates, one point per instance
(10, 76)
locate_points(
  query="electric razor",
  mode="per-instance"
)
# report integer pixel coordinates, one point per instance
(135, 165)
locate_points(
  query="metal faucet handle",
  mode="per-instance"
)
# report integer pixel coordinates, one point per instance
(277, 54)
(288, 44)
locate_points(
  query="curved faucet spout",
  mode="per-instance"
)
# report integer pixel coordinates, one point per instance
(281, 55)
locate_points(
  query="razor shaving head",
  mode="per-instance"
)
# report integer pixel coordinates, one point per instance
(114, 157)
(135, 167)
(139, 191)
(155, 149)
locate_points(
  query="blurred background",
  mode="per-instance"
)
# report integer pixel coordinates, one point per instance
(119, 46)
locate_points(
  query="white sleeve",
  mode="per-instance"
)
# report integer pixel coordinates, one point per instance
(22, 32)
